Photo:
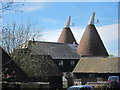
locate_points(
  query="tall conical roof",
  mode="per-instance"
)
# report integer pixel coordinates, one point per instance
(91, 21)
(68, 22)
(91, 44)
(67, 35)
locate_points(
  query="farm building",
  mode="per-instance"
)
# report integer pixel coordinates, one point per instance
(95, 64)
(63, 55)
(38, 61)
(92, 69)
(39, 68)
(48, 61)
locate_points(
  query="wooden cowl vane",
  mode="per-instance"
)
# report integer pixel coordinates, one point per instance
(67, 35)
(91, 44)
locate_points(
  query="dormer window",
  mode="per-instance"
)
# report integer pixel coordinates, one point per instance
(72, 62)
(61, 62)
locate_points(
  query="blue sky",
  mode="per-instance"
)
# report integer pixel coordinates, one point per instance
(49, 13)
(53, 15)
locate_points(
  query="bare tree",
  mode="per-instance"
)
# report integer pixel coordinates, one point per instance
(6, 5)
(9, 5)
(16, 34)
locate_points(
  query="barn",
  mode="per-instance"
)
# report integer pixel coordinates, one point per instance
(39, 68)
(95, 69)
(95, 65)
(63, 55)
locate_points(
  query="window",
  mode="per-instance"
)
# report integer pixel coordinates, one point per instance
(72, 62)
(60, 62)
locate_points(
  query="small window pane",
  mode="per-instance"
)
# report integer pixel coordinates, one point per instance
(61, 62)
(72, 62)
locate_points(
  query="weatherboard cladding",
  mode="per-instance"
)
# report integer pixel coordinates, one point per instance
(55, 50)
(91, 43)
(67, 36)
(98, 65)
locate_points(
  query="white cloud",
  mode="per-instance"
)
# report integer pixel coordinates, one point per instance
(78, 32)
(26, 7)
(51, 20)
(51, 36)
(29, 7)
(107, 33)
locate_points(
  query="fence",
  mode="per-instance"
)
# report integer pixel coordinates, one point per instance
(25, 86)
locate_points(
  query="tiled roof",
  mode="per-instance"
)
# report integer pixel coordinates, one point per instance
(98, 65)
(55, 50)
(67, 35)
(37, 65)
(91, 43)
